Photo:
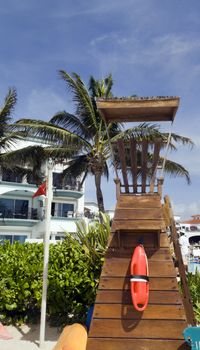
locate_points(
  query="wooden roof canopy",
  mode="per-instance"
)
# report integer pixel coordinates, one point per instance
(138, 109)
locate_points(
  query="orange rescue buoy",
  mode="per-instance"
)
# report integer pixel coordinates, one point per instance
(139, 279)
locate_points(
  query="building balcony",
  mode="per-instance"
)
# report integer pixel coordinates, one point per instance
(30, 214)
(59, 214)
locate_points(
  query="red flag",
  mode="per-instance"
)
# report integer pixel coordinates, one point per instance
(41, 190)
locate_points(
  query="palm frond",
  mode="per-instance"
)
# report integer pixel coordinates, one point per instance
(93, 88)
(9, 104)
(106, 171)
(81, 97)
(177, 170)
(49, 132)
(32, 177)
(114, 129)
(9, 140)
(144, 131)
(183, 140)
(62, 154)
(77, 166)
(28, 160)
(109, 85)
(94, 238)
(70, 122)
(25, 156)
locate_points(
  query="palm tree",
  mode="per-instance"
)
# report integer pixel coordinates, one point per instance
(7, 138)
(83, 137)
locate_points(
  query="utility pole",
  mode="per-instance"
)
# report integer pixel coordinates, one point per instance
(49, 197)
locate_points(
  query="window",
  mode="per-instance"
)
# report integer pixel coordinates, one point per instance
(31, 180)
(62, 209)
(13, 208)
(68, 182)
(57, 180)
(9, 176)
(12, 238)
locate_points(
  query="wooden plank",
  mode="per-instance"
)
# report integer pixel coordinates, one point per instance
(156, 283)
(138, 225)
(162, 254)
(138, 214)
(133, 153)
(152, 329)
(117, 267)
(130, 239)
(144, 164)
(122, 157)
(137, 205)
(157, 147)
(139, 201)
(127, 312)
(124, 297)
(137, 344)
(164, 240)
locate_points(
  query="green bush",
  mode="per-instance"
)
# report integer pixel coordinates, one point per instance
(194, 286)
(72, 280)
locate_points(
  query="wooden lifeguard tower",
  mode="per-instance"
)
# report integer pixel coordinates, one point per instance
(140, 215)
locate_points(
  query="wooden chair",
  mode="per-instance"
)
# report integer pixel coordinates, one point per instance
(137, 164)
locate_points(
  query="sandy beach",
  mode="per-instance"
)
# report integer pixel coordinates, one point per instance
(26, 337)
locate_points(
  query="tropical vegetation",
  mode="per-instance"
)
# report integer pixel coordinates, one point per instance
(194, 286)
(81, 140)
(74, 270)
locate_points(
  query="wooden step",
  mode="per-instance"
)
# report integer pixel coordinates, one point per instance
(124, 297)
(135, 344)
(138, 201)
(161, 254)
(151, 329)
(130, 239)
(127, 312)
(155, 283)
(138, 214)
(120, 267)
(138, 225)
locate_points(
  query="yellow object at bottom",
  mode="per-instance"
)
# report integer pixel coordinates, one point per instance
(73, 337)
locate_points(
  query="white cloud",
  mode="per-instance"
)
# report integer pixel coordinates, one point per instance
(185, 210)
(171, 46)
(92, 8)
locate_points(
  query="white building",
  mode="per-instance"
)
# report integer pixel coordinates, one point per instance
(91, 210)
(22, 217)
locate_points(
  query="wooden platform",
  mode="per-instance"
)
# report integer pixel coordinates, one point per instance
(143, 212)
(116, 325)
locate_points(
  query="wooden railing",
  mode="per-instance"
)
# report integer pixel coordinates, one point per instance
(187, 300)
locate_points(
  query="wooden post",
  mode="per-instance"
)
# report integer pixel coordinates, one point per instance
(160, 184)
(117, 182)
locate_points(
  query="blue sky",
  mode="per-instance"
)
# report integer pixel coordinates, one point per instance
(151, 47)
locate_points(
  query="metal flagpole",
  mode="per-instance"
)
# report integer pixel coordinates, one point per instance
(49, 196)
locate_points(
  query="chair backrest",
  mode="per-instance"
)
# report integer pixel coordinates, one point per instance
(138, 162)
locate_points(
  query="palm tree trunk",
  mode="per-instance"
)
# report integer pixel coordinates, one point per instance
(99, 192)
